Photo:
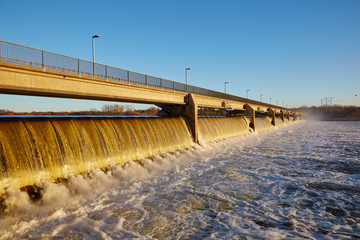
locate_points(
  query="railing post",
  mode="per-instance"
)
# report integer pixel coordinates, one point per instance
(78, 67)
(42, 58)
(160, 83)
(128, 76)
(173, 86)
(106, 71)
(146, 80)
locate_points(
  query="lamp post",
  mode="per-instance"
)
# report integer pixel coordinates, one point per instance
(225, 85)
(261, 97)
(93, 52)
(186, 69)
(247, 93)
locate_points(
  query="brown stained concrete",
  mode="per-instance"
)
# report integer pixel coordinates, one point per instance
(250, 111)
(273, 115)
(282, 116)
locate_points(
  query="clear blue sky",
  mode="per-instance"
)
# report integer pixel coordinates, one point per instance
(294, 51)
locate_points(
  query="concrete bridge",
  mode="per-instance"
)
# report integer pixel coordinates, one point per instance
(28, 71)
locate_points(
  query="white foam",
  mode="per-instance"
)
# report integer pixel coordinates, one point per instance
(224, 189)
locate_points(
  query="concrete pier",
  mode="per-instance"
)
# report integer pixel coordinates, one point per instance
(189, 111)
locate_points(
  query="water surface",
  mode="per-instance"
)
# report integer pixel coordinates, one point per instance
(296, 182)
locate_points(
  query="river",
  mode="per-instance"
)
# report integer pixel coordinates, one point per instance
(300, 181)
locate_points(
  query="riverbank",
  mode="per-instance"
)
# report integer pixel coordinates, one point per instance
(341, 119)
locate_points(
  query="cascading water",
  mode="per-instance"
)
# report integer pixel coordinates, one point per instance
(37, 149)
(262, 123)
(217, 128)
(278, 122)
(199, 192)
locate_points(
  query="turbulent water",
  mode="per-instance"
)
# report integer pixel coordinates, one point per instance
(300, 181)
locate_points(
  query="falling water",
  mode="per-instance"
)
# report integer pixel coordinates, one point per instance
(39, 149)
(300, 181)
(217, 128)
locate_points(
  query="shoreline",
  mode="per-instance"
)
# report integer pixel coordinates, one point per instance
(341, 119)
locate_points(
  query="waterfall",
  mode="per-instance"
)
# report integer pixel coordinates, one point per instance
(216, 128)
(278, 122)
(262, 123)
(37, 149)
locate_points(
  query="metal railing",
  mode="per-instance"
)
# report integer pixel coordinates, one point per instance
(18, 54)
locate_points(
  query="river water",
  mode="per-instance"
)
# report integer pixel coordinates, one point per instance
(300, 181)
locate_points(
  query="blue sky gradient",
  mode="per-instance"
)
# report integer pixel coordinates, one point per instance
(293, 51)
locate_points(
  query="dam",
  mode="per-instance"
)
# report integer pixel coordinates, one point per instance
(39, 149)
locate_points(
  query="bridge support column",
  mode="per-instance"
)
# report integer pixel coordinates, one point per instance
(288, 116)
(282, 115)
(189, 112)
(250, 111)
(272, 112)
(294, 117)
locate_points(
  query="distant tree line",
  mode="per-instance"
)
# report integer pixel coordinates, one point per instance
(211, 112)
(113, 110)
(105, 110)
(335, 112)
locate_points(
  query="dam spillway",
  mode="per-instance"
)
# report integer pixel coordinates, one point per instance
(217, 128)
(36, 149)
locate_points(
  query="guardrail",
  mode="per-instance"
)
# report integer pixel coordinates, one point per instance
(23, 55)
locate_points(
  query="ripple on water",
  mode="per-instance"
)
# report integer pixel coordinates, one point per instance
(298, 184)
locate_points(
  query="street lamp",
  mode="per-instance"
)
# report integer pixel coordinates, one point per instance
(247, 93)
(186, 69)
(93, 52)
(260, 97)
(225, 85)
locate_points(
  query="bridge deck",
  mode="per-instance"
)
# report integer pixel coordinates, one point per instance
(25, 80)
